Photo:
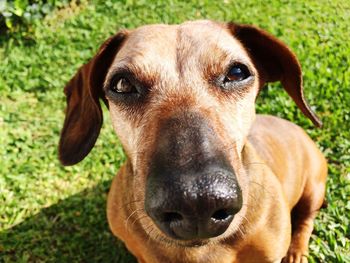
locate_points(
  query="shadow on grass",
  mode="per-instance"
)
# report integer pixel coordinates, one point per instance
(73, 230)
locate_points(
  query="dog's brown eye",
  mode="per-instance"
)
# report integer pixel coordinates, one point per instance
(123, 86)
(237, 72)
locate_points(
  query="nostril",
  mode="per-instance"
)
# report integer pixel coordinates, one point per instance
(172, 217)
(221, 215)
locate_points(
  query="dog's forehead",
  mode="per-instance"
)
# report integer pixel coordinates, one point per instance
(165, 45)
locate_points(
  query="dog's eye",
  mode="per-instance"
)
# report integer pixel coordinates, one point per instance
(237, 72)
(123, 86)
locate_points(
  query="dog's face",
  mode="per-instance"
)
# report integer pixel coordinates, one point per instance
(181, 100)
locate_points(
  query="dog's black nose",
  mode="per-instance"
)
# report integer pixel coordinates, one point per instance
(191, 190)
(195, 209)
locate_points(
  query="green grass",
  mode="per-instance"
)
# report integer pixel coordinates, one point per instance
(51, 213)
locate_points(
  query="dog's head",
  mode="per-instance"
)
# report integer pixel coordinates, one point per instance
(181, 100)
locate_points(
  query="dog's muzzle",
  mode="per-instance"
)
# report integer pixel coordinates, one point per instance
(191, 191)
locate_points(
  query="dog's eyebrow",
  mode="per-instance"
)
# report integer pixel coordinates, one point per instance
(215, 66)
(142, 75)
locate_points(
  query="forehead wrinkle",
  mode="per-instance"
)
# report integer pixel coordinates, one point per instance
(184, 46)
(203, 47)
(149, 50)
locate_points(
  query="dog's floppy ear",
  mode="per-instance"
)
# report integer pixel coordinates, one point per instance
(274, 61)
(83, 113)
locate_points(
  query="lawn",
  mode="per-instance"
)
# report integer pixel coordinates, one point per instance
(51, 213)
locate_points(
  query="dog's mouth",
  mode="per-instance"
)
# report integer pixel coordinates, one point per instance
(166, 239)
(195, 227)
(160, 235)
(236, 228)
(193, 243)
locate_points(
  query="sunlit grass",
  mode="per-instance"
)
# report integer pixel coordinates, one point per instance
(50, 213)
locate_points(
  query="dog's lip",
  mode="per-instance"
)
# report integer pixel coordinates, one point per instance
(193, 243)
(173, 239)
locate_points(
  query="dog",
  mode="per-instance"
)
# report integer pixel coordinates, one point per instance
(206, 179)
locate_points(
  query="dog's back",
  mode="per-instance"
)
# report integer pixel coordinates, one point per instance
(290, 153)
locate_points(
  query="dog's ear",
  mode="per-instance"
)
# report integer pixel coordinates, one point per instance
(274, 61)
(83, 113)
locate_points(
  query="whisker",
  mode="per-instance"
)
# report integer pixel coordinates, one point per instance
(263, 188)
(138, 219)
(258, 163)
(126, 221)
(129, 203)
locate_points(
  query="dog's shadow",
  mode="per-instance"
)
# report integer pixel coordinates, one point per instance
(73, 230)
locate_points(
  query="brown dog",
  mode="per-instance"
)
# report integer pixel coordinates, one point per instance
(206, 180)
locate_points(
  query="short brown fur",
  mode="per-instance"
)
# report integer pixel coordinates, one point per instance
(281, 172)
